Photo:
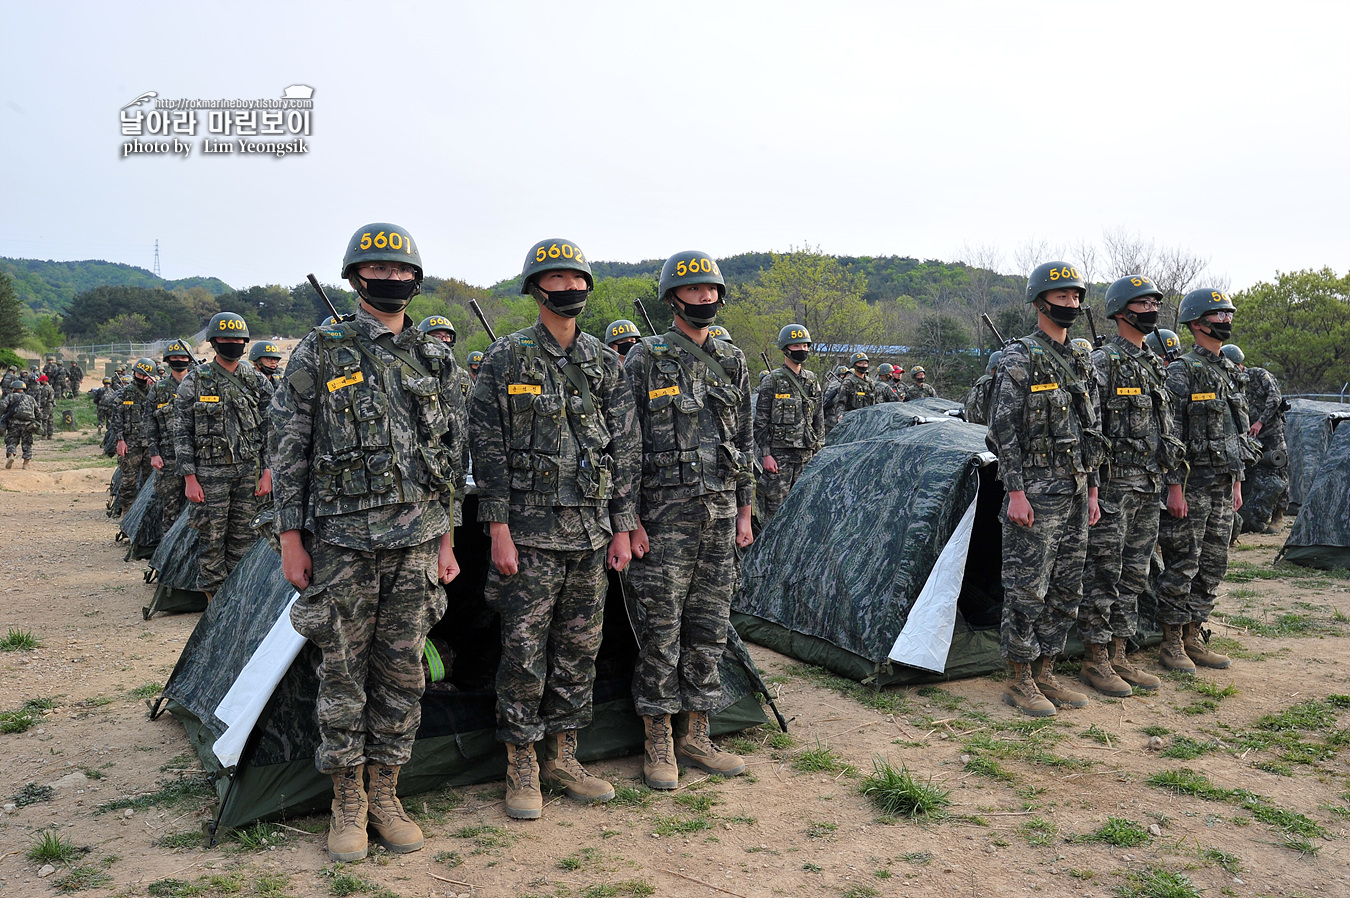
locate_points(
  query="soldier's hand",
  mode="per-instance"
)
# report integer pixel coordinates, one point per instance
(1176, 500)
(193, 490)
(446, 563)
(1094, 507)
(1255, 428)
(770, 464)
(641, 545)
(1237, 494)
(157, 463)
(1019, 509)
(121, 448)
(745, 535)
(504, 556)
(295, 563)
(264, 483)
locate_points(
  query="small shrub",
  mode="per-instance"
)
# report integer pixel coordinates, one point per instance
(19, 641)
(50, 848)
(897, 793)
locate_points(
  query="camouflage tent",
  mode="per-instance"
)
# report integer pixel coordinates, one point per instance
(140, 524)
(1307, 432)
(1320, 536)
(174, 568)
(245, 685)
(883, 563)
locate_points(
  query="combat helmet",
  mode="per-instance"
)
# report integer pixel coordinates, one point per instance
(227, 324)
(1126, 290)
(885, 369)
(475, 358)
(994, 358)
(174, 347)
(685, 269)
(1198, 302)
(1082, 343)
(718, 332)
(621, 329)
(858, 357)
(381, 241)
(1233, 353)
(1054, 276)
(264, 350)
(556, 254)
(1165, 343)
(145, 367)
(437, 323)
(793, 333)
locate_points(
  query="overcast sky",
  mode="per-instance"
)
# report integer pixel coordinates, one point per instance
(641, 129)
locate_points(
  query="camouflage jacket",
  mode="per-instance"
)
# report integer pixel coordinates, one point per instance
(978, 399)
(891, 391)
(128, 413)
(24, 408)
(359, 453)
(1264, 404)
(46, 397)
(554, 441)
(157, 423)
(848, 394)
(76, 374)
(1209, 415)
(697, 433)
(107, 399)
(918, 391)
(789, 412)
(1135, 414)
(1043, 419)
(219, 422)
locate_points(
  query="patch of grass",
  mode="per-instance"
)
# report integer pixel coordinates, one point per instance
(449, 858)
(1339, 702)
(191, 838)
(1212, 689)
(988, 767)
(1152, 882)
(50, 848)
(1286, 624)
(1097, 734)
(1119, 832)
(41, 704)
(897, 793)
(693, 801)
(1185, 748)
(20, 721)
(1156, 731)
(918, 858)
(1187, 782)
(33, 793)
(811, 868)
(175, 888)
(1204, 706)
(821, 830)
(435, 807)
(1083, 875)
(630, 796)
(258, 837)
(485, 837)
(861, 891)
(1289, 821)
(680, 826)
(822, 759)
(882, 700)
(345, 884)
(1297, 843)
(629, 888)
(1274, 767)
(1312, 716)
(1229, 862)
(271, 885)
(1038, 831)
(941, 697)
(81, 878)
(145, 691)
(177, 792)
(19, 641)
(1033, 749)
(580, 859)
(782, 741)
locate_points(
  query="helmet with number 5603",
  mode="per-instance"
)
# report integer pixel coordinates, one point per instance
(381, 241)
(227, 324)
(691, 267)
(554, 254)
(793, 333)
(1054, 276)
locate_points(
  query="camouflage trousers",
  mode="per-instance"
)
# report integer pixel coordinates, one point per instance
(136, 470)
(1195, 552)
(775, 487)
(47, 423)
(1120, 548)
(1264, 493)
(19, 437)
(552, 613)
(369, 613)
(169, 488)
(223, 520)
(1042, 575)
(683, 588)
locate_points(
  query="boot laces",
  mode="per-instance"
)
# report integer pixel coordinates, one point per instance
(383, 794)
(350, 799)
(661, 739)
(524, 769)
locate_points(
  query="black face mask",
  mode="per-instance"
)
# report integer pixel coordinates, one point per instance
(698, 316)
(799, 355)
(389, 295)
(1064, 316)
(567, 303)
(1220, 330)
(623, 346)
(179, 364)
(268, 369)
(231, 352)
(1141, 321)
(862, 372)
(142, 382)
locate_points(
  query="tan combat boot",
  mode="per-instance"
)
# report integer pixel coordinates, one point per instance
(1139, 679)
(659, 770)
(1043, 670)
(1022, 694)
(1098, 673)
(393, 827)
(347, 829)
(1194, 645)
(25, 462)
(9, 461)
(560, 769)
(1172, 653)
(524, 801)
(695, 746)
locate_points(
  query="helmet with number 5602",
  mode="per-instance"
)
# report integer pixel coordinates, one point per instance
(554, 254)
(381, 241)
(1054, 276)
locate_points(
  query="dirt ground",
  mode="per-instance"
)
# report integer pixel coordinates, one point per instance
(1031, 805)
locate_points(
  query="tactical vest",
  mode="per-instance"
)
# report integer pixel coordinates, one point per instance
(1214, 404)
(556, 435)
(360, 461)
(693, 420)
(1133, 404)
(133, 411)
(218, 400)
(978, 399)
(22, 409)
(790, 418)
(857, 392)
(161, 411)
(1053, 435)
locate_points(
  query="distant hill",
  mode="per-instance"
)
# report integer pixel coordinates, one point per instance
(50, 286)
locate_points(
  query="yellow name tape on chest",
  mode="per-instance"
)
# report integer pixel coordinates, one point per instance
(1041, 388)
(208, 398)
(1201, 397)
(128, 401)
(782, 395)
(668, 391)
(338, 383)
(518, 389)
(162, 404)
(1129, 391)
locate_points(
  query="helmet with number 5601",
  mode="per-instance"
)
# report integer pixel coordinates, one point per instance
(381, 241)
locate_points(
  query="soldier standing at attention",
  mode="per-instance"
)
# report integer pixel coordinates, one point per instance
(556, 454)
(265, 357)
(1210, 417)
(622, 335)
(220, 447)
(364, 488)
(693, 401)
(128, 413)
(789, 419)
(157, 426)
(1043, 425)
(22, 412)
(1136, 419)
(854, 390)
(920, 388)
(76, 376)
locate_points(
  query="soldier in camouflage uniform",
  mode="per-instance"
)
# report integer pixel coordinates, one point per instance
(22, 411)
(554, 438)
(622, 335)
(265, 356)
(693, 402)
(789, 419)
(475, 359)
(128, 413)
(1137, 422)
(442, 329)
(1043, 425)
(46, 400)
(920, 387)
(106, 403)
(1210, 416)
(1265, 492)
(119, 377)
(364, 489)
(981, 393)
(886, 386)
(7, 382)
(75, 376)
(854, 390)
(157, 426)
(220, 447)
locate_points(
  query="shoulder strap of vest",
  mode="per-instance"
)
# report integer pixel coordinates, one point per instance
(697, 352)
(1054, 357)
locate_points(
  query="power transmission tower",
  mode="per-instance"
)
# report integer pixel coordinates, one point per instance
(157, 274)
